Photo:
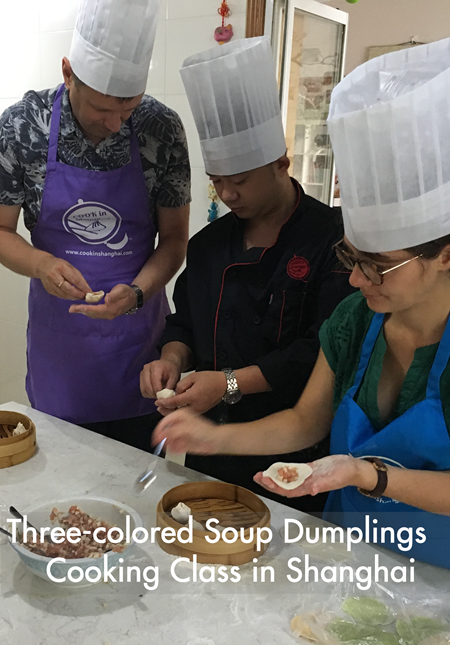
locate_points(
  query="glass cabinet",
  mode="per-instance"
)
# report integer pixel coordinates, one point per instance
(309, 44)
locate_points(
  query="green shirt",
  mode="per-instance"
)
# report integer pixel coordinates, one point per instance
(342, 337)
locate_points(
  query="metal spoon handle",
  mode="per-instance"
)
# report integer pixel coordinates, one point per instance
(6, 532)
(19, 516)
(159, 447)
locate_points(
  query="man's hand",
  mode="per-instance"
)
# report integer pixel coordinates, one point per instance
(117, 302)
(186, 432)
(330, 473)
(158, 375)
(199, 391)
(61, 279)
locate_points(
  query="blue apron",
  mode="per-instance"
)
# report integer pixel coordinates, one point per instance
(418, 440)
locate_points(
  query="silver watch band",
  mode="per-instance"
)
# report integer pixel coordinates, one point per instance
(233, 393)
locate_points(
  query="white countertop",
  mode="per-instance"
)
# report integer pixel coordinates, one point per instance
(72, 461)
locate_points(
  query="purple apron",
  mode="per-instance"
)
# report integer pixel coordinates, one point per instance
(79, 369)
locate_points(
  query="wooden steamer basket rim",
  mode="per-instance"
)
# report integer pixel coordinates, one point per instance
(16, 450)
(220, 552)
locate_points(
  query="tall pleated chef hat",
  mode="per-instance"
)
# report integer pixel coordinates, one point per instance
(112, 45)
(389, 124)
(233, 94)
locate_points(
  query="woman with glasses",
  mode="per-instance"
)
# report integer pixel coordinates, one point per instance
(381, 383)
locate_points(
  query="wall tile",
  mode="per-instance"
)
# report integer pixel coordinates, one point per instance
(20, 12)
(4, 103)
(163, 10)
(19, 69)
(156, 83)
(184, 38)
(199, 8)
(190, 36)
(14, 298)
(54, 46)
(58, 16)
(12, 388)
(12, 348)
(159, 97)
(180, 104)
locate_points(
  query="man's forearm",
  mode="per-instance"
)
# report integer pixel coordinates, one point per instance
(170, 252)
(179, 354)
(18, 255)
(251, 380)
(160, 267)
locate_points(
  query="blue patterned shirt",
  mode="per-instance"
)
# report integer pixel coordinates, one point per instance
(24, 136)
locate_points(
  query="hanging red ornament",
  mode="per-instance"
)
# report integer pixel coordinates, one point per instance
(224, 33)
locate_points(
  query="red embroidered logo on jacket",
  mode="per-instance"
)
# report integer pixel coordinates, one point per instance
(298, 268)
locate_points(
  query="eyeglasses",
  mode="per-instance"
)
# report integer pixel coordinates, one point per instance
(369, 269)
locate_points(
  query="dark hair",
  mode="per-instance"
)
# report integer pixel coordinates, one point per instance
(429, 250)
(80, 83)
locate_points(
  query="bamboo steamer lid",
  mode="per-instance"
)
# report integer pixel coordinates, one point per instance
(232, 505)
(15, 450)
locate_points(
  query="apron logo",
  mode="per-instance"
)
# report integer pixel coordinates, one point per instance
(94, 223)
(298, 268)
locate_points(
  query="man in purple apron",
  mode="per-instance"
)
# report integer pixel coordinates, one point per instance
(98, 216)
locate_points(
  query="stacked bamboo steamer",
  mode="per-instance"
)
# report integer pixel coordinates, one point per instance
(15, 450)
(231, 505)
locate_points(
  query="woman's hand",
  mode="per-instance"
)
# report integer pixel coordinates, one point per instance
(187, 432)
(329, 473)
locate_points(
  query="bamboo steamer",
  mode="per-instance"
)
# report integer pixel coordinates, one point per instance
(231, 505)
(15, 450)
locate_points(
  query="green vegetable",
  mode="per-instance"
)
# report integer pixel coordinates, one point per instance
(353, 633)
(368, 611)
(417, 628)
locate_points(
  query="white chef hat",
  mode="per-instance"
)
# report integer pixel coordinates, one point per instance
(389, 124)
(112, 45)
(233, 94)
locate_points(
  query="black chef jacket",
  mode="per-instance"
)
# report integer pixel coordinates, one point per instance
(262, 306)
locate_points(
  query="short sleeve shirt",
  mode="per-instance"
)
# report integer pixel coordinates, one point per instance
(342, 337)
(24, 136)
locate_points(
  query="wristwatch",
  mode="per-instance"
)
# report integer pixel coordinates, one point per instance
(233, 393)
(139, 299)
(382, 482)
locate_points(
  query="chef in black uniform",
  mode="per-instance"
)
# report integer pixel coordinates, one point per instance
(259, 281)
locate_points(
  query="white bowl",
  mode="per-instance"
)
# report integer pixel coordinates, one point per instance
(109, 510)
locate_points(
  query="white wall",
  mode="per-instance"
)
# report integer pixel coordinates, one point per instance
(391, 22)
(34, 36)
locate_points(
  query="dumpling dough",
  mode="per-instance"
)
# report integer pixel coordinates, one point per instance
(296, 473)
(180, 513)
(19, 429)
(368, 610)
(95, 296)
(165, 394)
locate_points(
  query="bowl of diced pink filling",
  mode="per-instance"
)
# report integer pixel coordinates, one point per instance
(77, 540)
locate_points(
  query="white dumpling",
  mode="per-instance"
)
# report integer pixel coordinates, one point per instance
(197, 525)
(165, 394)
(95, 296)
(180, 513)
(291, 475)
(19, 429)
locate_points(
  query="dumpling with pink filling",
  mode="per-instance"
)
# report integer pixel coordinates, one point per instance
(288, 476)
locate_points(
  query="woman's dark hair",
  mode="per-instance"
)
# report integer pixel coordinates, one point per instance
(428, 251)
